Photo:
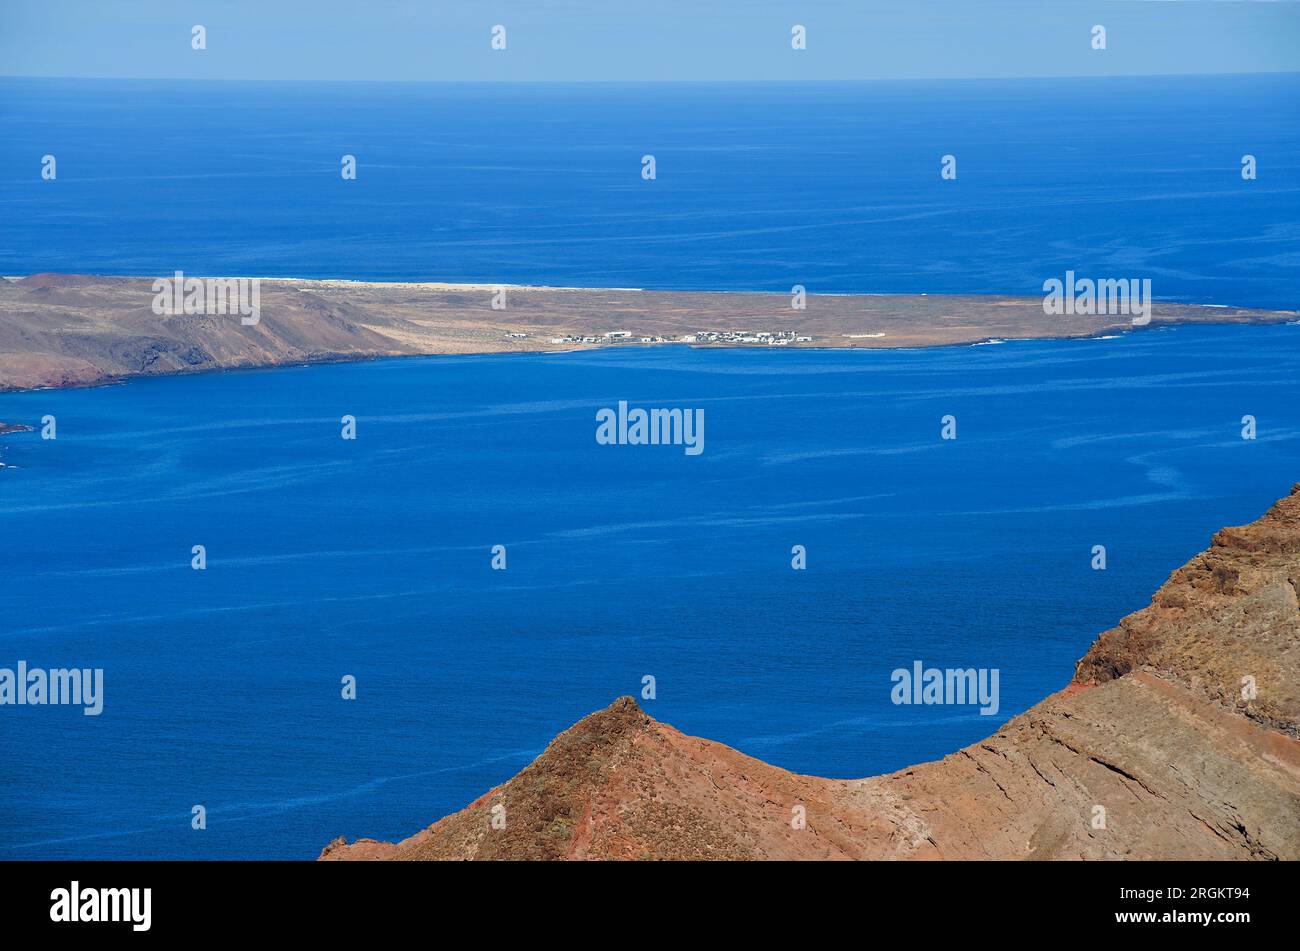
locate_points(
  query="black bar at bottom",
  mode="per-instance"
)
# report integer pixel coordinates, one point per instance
(210, 900)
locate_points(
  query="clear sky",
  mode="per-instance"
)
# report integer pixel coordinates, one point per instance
(645, 40)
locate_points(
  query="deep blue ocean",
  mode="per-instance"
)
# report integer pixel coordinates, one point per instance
(759, 187)
(371, 557)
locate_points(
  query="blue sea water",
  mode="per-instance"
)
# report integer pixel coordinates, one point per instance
(759, 187)
(372, 558)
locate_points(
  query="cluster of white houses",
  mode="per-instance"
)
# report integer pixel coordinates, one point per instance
(612, 336)
(774, 338)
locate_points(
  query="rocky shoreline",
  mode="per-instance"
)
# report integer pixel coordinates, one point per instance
(1178, 738)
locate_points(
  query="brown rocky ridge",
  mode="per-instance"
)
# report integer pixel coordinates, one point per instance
(1182, 723)
(75, 330)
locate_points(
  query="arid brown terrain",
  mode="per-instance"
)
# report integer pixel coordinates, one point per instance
(72, 330)
(1179, 738)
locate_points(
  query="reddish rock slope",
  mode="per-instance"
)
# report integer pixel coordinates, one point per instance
(1154, 730)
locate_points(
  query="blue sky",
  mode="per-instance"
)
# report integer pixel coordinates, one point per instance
(583, 40)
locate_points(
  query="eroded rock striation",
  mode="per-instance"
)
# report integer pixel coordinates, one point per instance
(1180, 723)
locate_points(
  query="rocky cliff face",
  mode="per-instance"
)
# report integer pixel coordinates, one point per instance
(1177, 739)
(72, 330)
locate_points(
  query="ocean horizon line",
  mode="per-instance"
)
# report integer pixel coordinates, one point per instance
(855, 81)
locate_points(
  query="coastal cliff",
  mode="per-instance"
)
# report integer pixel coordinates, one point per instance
(59, 330)
(1178, 738)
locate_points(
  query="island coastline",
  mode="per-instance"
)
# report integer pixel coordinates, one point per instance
(63, 331)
